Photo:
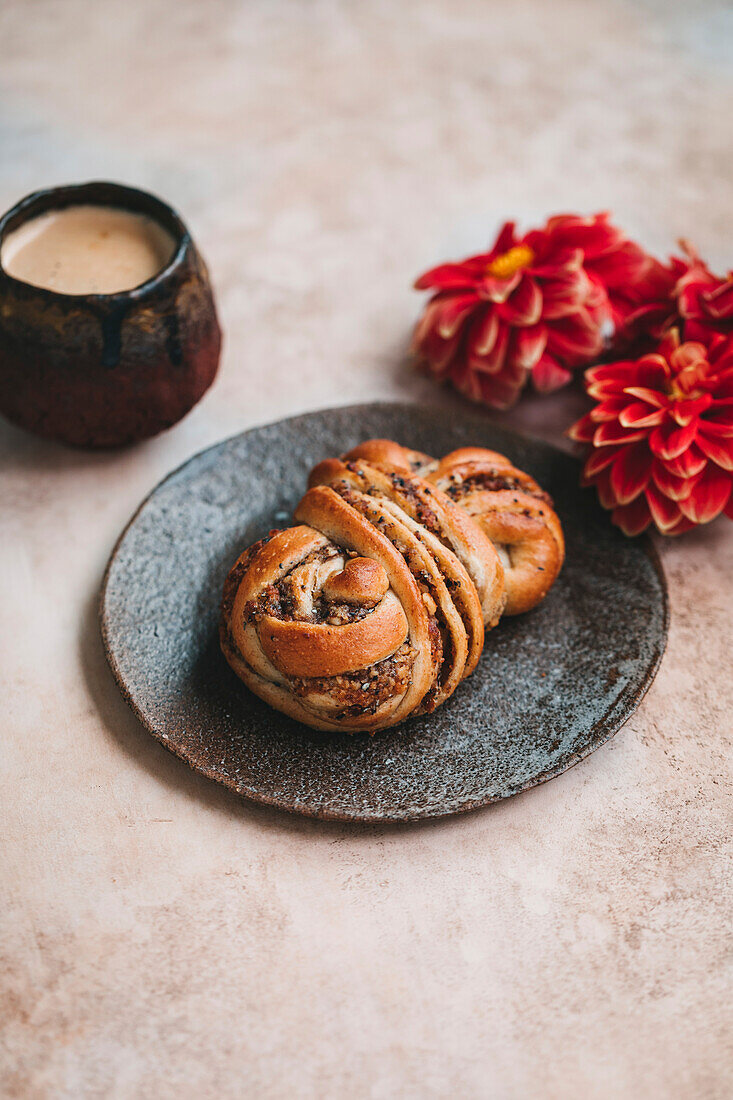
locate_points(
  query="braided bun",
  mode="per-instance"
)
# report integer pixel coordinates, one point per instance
(374, 608)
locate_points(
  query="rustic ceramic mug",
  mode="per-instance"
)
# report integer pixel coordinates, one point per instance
(102, 370)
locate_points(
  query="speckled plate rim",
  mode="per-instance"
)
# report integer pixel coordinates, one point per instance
(604, 729)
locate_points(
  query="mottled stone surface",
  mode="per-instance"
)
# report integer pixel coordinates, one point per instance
(162, 938)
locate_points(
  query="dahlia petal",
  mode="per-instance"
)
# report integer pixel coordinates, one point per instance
(691, 353)
(447, 277)
(429, 345)
(452, 312)
(594, 235)
(650, 372)
(601, 390)
(694, 290)
(668, 441)
(718, 422)
(722, 358)
(665, 512)
(639, 415)
(612, 372)
(528, 345)
(563, 293)
(582, 431)
(498, 290)
(466, 381)
(632, 518)
(493, 361)
(723, 371)
(688, 291)
(679, 527)
(606, 494)
(438, 354)
(724, 376)
(487, 389)
(652, 397)
(694, 329)
(609, 409)
(598, 297)
(548, 375)
(484, 331)
(502, 397)
(716, 342)
(599, 459)
(651, 318)
(620, 267)
(690, 463)
(561, 306)
(428, 340)
(720, 343)
(709, 497)
(676, 488)
(524, 306)
(609, 379)
(684, 412)
(513, 374)
(561, 263)
(613, 432)
(439, 307)
(718, 451)
(630, 472)
(560, 221)
(576, 339)
(425, 325)
(667, 347)
(506, 238)
(687, 298)
(659, 279)
(719, 302)
(653, 373)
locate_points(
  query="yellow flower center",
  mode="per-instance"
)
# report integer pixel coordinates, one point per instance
(509, 263)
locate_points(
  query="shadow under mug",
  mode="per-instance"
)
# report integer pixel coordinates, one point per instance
(103, 370)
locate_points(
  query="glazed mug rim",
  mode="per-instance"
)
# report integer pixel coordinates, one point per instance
(98, 193)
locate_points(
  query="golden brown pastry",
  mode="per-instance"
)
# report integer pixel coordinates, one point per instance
(365, 613)
(515, 513)
(509, 506)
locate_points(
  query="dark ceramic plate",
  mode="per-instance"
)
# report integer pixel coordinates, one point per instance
(550, 688)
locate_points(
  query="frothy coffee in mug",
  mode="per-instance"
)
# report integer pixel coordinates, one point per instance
(87, 250)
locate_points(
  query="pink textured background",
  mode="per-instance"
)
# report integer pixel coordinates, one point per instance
(161, 939)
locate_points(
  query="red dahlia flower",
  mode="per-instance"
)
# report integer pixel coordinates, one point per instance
(661, 435)
(534, 305)
(704, 302)
(683, 292)
(646, 308)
